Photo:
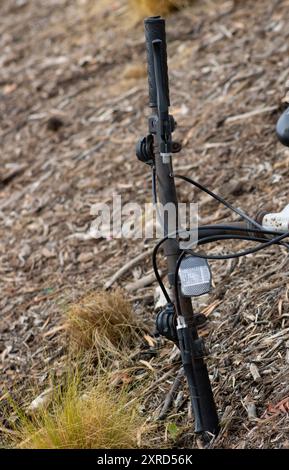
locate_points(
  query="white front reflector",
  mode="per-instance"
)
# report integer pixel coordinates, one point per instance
(195, 276)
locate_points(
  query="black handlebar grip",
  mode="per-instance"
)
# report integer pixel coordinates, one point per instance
(155, 29)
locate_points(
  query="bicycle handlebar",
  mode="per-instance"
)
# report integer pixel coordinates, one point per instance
(155, 30)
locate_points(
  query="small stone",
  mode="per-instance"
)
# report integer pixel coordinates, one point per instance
(48, 253)
(54, 123)
(85, 257)
(41, 401)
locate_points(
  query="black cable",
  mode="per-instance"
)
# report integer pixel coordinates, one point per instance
(219, 199)
(265, 244)
(224, 202)
(231, 236)
(156, 271)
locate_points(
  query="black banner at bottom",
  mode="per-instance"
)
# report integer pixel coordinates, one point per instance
(143, 458)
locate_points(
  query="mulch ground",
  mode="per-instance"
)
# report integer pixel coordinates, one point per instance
(73, 102)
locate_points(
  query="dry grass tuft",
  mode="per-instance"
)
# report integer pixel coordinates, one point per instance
(96, 419)
(135, 71)
(157, 7)
(103, 322)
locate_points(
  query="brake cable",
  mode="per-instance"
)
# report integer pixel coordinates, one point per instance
(220, 199)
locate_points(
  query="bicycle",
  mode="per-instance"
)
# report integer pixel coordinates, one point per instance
(189, 274)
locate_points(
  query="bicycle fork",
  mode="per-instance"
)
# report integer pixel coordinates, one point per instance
(189, 343)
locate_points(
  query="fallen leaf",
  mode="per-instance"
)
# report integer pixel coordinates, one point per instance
(54, 330)
(9, 88)
(151, 342)
(210, 308)
(147, 364)
(275, 410)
